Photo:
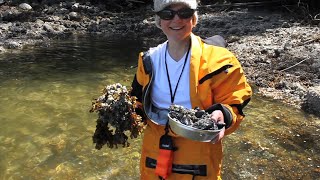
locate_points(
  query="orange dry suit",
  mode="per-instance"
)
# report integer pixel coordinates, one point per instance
(216, 80)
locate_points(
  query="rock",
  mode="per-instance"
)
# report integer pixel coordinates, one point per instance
(2, 49)
(74, 16)
(47, 27)
(18, 29)
(281, 85)
(62, 11)
(232, 39)
(53, 19)
(38, 23)
(13, 45)
(25, 6)
(69, 4)
(285, 25)
(75, 6)
(235, 31)
(5, 26)
(58, 28)
(312, 101)
(10, 15)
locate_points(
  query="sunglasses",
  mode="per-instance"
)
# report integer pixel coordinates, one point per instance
(168, 14)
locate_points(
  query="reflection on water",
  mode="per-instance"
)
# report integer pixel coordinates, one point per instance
(46, 128)
(274, 142)
(46, 94)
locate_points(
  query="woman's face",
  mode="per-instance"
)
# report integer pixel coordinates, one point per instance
(177, 29)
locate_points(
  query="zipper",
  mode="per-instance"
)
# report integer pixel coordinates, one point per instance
(146, 91)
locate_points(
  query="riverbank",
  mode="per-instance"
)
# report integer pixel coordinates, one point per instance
(279, 53)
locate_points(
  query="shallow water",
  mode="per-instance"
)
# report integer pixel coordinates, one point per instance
(46, 128)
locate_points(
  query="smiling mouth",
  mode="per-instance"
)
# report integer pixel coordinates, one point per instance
(176, 28)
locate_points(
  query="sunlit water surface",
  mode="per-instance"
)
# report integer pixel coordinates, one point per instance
(46, 128)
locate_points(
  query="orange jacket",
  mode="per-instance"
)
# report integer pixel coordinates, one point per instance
(216, 77)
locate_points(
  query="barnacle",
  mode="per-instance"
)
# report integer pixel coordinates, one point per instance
(116, 116)
(196, 118)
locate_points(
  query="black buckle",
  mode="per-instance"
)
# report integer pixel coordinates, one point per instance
(166, 142)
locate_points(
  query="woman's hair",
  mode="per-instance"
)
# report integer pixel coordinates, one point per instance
(162, 4)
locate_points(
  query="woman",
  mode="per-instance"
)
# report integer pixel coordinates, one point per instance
(186, 71)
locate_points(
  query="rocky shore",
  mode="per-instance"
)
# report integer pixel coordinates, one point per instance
(279, 53)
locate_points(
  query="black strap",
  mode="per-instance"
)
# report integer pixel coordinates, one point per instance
(195, 170)
(208, 76)
(167, 127)
(185, 62)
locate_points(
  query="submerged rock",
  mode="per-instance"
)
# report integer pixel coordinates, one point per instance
(312, 101)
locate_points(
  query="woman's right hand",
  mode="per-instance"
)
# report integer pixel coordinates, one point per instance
(218, 117)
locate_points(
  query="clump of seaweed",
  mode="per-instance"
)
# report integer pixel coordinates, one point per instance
(116, 115)
(196, 118)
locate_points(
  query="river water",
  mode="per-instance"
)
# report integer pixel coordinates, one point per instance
(46, 128)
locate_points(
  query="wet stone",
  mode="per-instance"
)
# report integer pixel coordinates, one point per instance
(13, 45)
(312, 100)
(25, 6)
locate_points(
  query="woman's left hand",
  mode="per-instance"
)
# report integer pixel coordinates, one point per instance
(218, 117)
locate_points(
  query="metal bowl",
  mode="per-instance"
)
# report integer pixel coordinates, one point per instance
(191, 132)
